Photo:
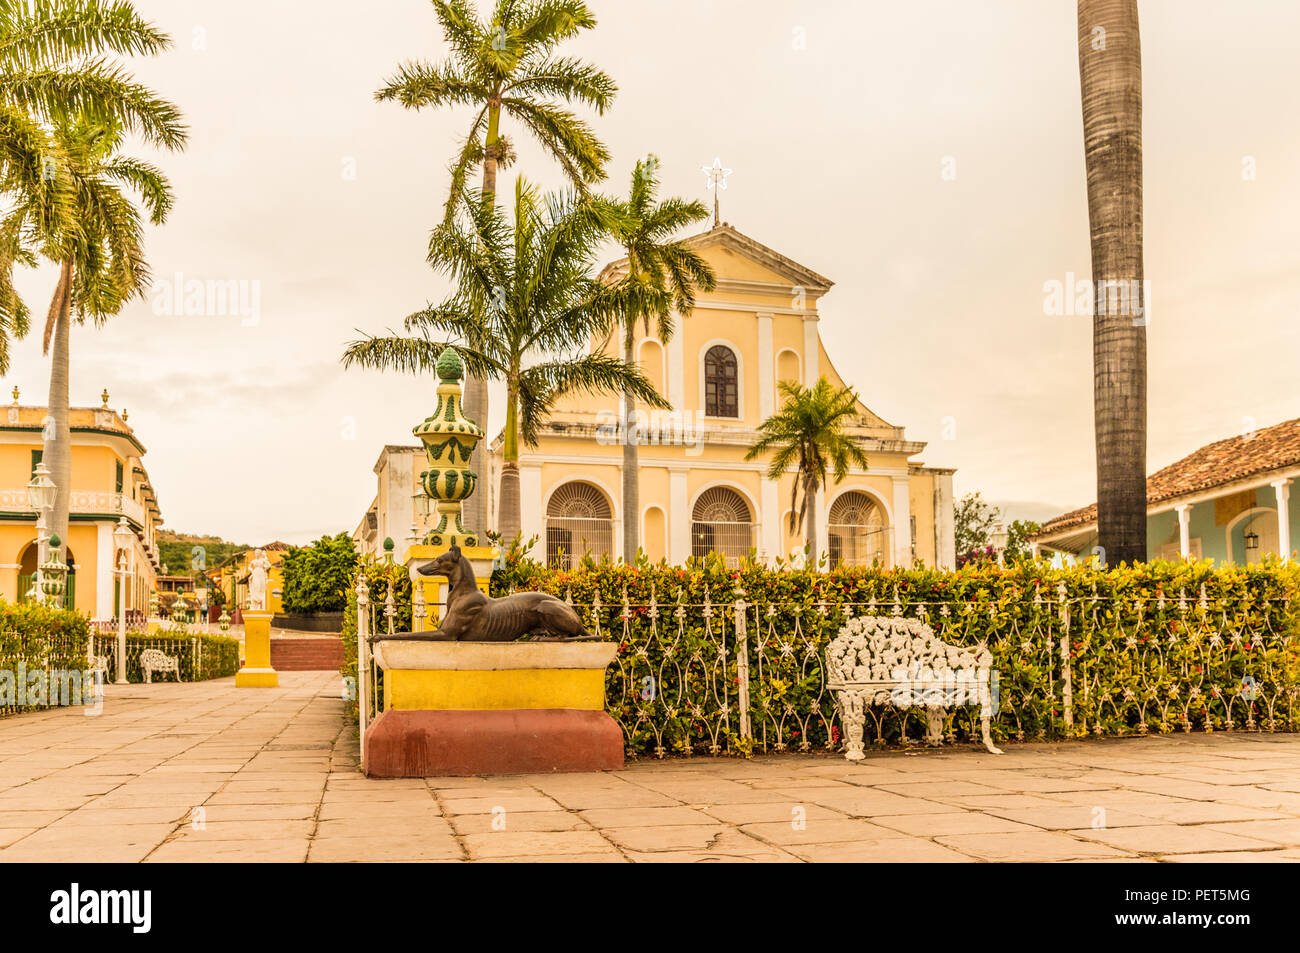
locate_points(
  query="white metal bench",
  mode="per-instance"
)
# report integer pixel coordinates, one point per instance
(879, 660)
(155, 660)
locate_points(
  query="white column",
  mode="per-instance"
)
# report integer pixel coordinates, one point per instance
(811, 351)
(104, 552)
(531, 522)
(902, 524)
(766, 368)
(1283, 490)
(770, 540)
(676, 371)
(1184, 529)
(679, 516)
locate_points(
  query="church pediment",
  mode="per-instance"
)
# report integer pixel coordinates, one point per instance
(741, 259)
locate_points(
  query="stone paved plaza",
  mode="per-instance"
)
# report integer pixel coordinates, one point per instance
(274, 772)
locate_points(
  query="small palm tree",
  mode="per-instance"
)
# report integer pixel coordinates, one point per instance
(53, 65)
(662, 273)
(506, 65)
(524, 311)
(99, 249)
(808, 432)
(1110, 79)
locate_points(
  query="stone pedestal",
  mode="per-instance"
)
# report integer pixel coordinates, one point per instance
(465, 708)
(257, 671)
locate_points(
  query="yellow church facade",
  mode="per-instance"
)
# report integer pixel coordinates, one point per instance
(720, 371)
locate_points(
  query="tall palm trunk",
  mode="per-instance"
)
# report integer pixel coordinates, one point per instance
(1110, 79)
(476, 513)
(508, 519)
(631, 481)
(474, 405)
(810, 522)
(56, 451)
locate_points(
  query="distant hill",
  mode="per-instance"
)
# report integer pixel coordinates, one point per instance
(177, 551)
(1029, 510)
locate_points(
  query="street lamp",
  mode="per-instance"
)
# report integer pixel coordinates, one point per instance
(40, 496)
(123, 540)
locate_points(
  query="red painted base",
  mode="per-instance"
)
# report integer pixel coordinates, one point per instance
(421, 744)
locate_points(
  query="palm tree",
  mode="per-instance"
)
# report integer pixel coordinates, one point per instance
(524, 310)
(99, 249)
(661, 274)
(505, 65)
(53, 64)
(808, 432)
(1110, 78)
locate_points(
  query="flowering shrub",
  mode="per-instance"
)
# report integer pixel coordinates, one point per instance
(41, 639)
(1155, 647)
(381, 575)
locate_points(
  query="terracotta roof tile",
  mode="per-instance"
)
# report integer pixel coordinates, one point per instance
(1215, 464)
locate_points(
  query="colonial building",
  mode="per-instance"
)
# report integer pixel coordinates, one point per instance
(720, 371)
(1228, 501)
(109, 481)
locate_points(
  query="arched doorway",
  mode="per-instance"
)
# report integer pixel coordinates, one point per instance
(721, 522)
(27, 571)
(857, 531)
(579, 520)
(1262, 524)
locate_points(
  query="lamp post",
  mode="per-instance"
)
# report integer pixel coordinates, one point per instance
(40, 496)
(123, 540)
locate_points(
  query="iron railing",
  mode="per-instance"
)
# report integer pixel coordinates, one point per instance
(731, 541)
(569, 538)
(733, 676)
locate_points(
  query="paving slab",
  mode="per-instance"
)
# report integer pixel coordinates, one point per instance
(274, 772)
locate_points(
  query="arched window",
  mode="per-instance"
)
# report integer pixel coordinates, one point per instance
(721, 397)
(856, 531)
(27, 575)
(722, 523)
(579, 520)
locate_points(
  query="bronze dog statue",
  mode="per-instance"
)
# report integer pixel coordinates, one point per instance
(473, 617)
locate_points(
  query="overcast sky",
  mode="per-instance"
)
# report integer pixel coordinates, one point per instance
(838, 119)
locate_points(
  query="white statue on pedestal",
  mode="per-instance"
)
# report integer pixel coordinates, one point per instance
(258, 576)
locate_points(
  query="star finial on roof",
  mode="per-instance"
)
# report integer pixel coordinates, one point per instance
(717, 179)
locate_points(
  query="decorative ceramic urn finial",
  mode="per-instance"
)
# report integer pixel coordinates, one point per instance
(53, 573)
(449, 439)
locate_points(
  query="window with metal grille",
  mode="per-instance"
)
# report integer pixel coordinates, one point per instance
(579, 520)
(721, 398)
(856, 531)
(722, 523)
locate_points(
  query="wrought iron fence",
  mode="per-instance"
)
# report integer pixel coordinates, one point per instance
(728, 676)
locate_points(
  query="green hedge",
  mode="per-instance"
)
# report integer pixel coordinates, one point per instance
(40, 638)
(1153, 648)
(381, 575)
(1159, 647)
(217, 656)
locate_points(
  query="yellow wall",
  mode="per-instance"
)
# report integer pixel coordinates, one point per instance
(756, 292)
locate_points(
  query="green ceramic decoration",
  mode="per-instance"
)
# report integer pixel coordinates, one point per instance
(449, 438)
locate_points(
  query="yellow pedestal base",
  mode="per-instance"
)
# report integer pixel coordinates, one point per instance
(257, 671)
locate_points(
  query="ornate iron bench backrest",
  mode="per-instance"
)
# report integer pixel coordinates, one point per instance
(157, 659)
(876, 649)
